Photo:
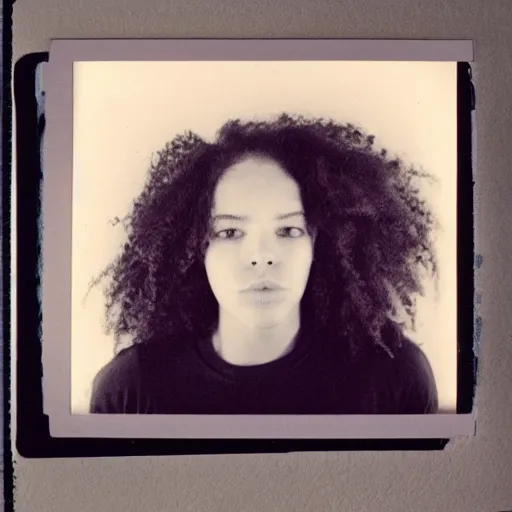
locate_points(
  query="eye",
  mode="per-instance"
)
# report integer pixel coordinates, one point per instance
(229, 234)
(290, 232)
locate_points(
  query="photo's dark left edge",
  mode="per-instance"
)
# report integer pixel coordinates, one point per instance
(7, 463)
(33, 438)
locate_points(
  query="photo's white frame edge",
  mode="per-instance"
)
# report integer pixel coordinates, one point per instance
(58, 160)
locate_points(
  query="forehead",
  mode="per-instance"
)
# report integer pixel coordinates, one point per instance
(256, 184)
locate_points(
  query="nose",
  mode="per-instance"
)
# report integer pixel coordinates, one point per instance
(263, 259)
(262, 254)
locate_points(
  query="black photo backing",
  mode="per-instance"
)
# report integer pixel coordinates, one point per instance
(32, 434)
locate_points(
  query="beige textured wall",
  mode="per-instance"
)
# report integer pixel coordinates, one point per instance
(472, 474)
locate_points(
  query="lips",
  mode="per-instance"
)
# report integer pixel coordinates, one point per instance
(263, 286)
(263, 294)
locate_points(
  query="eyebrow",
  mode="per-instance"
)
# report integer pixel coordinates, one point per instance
(243, 217)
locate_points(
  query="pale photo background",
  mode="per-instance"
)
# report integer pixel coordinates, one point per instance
(125, 112)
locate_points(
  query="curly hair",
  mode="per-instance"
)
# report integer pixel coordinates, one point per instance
(373, 233)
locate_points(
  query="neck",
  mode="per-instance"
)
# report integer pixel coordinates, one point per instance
(240, 344)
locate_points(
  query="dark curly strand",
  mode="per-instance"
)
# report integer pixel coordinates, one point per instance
(373, 232)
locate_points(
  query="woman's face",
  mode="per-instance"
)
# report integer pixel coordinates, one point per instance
(260, 252)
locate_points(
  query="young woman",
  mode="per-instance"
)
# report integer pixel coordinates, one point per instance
(262, 274)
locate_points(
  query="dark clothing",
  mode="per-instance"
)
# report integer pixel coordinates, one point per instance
(190, 378)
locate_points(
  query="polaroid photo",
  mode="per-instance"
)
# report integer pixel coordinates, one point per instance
(253, 239)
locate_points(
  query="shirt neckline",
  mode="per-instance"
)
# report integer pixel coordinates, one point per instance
(206, 351)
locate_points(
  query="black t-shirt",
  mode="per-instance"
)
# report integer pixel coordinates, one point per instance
(191, 378)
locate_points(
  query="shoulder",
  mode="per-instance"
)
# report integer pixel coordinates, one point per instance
(122, 369)
(116, 381)
(409, 375)
(411, 358)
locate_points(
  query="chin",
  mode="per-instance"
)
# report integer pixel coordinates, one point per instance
(265, 319)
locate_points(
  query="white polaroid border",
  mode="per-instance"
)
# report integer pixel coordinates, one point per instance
(57, 217)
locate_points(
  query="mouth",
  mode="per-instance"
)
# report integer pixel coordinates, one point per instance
(264, 287)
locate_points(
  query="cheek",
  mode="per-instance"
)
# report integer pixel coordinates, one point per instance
(299, 259)
(219, 265)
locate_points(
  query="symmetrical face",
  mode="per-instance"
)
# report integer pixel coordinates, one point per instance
(260, 251)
